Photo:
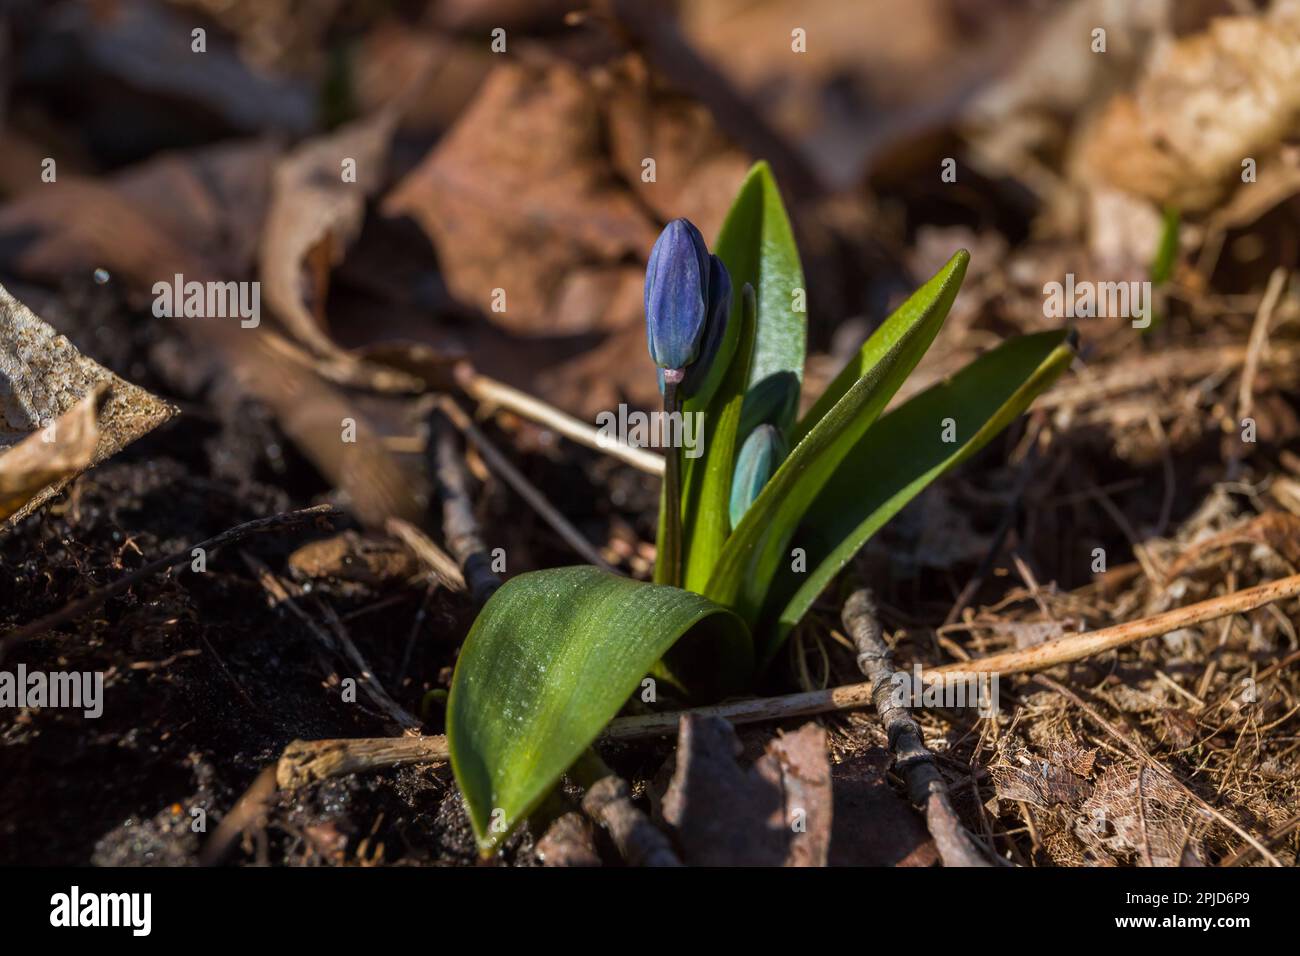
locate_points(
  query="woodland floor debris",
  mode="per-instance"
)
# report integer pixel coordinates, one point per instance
(1130, 493)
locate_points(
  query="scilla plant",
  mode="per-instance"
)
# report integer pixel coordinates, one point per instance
(749, 534)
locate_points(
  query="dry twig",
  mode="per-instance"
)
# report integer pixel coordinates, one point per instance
(608, 802)
(282, 593)
(440, 564)
(489, 392)
(459, 526)
(925, 783)
(525, 488)
(1076, 647)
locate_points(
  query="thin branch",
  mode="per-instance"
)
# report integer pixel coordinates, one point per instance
(1075, 647)
(925, 783)
(249, 811)
(279, 593)
(440, 564)
(459, 526)
(1258, 341)
(608, 803)
(489, 392)
(525, 488)
(71, 612)
(855, 696)
(308, 761)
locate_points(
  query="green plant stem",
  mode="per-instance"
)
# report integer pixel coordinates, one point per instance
(672, 503)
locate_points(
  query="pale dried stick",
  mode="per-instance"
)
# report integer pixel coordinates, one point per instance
(1258, 341)
(1074, 647)
(307, 761)
(249, 811)
(854, 696)
(439, 563)
(488, 391)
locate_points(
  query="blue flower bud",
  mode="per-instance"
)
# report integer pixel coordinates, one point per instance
(677, 296)
(758, 460)
(715, 327)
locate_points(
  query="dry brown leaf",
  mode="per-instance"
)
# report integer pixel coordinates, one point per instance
(905, 54)
(74, 226)
(538, 192)
(1206, 103)
(873, 825)
(349, 556)
(431, 75)
(1177, 727)
(518, 197)
(198, 213)
(1041, 783)
(314, 216)
(1139, 814)
(214, 198)
(44, 380)
(697, 169)
(52, 454)
(1080, 761)
(776, 813)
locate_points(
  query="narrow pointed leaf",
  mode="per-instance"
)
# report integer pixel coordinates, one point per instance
(900, 455)
(757, 547)
(551, 658)
(757, 246)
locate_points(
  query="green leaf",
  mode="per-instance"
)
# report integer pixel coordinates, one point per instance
(900, 455)
(551, 658)
(1166, 257)
(757, 246)
(707, 485)
(756, 549)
